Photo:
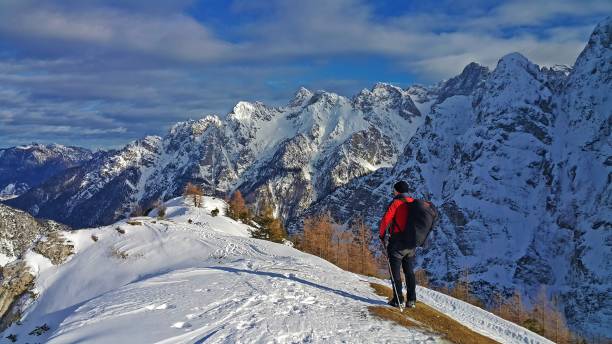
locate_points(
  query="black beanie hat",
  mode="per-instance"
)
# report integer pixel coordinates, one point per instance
(401, 187)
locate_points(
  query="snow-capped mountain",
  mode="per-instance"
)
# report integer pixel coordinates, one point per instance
(25, 167)
(520, 166)
(517, 158)
(193, 277)
(289, 156)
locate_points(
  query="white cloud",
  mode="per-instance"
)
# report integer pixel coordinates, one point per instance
(171, 35)
(128, 68)
(537, 12)
(430, 45)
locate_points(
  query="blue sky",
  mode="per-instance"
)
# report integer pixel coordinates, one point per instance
(99, 73)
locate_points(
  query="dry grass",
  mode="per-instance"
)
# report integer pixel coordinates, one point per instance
(115, 252)
(428, 319)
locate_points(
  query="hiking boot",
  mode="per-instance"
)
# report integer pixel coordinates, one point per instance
(394, 303)
(411, 304)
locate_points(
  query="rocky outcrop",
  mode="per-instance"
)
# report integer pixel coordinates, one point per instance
(54, 247)
(16, 282)
(19, 231)
(21, 234)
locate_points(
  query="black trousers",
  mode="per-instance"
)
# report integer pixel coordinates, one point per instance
(401, 257)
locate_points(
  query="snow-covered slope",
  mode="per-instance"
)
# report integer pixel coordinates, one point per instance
(205, 280)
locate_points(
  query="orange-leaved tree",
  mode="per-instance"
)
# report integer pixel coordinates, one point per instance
(195, 192)
(238, 209)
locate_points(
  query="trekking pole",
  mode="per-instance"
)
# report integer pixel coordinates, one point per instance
(395, 292)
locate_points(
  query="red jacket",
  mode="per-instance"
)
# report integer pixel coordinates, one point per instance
(396, 216)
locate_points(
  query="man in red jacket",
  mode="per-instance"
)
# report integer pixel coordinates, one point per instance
(399, 253)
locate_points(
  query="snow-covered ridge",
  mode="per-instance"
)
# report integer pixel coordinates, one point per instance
(193, 277)
(317, 143)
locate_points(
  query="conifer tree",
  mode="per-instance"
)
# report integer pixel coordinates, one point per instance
(195, 192)
(237, 208)
(270, 228)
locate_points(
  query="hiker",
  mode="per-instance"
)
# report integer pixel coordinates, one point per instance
(399, 253)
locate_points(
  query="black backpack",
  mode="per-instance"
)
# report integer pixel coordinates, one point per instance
(422, 215)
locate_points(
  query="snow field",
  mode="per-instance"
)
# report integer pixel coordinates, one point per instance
(170, 281)
(174, 282)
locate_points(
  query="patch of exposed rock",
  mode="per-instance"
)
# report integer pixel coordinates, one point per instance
(19, 231)
(55, 247)
(15, 289)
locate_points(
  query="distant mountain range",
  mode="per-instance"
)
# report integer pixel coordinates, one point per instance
(518, 159)
(26, 167)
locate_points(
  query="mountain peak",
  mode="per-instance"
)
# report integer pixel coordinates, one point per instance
(602, 34)
(243, 110)
(512, 63)
(380, 89)
(385, 88)
(514, 58)
(301, 96)
(597, 52)
(463, 84)
(473, 67)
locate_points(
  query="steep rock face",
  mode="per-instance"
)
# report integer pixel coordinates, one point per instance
(24, 167)
(362, 153)
(520, 168)
(289, 156)
(500, 168)
(582, 200)
(472, 76)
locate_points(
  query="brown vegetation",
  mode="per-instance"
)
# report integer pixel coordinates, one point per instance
(137, 211)
(348, 249)
(421, 278)
(161, 209)
(195, 192)
(237, 208)
(115, 252)
(543, 318)
(427, 319)
(270, 228)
